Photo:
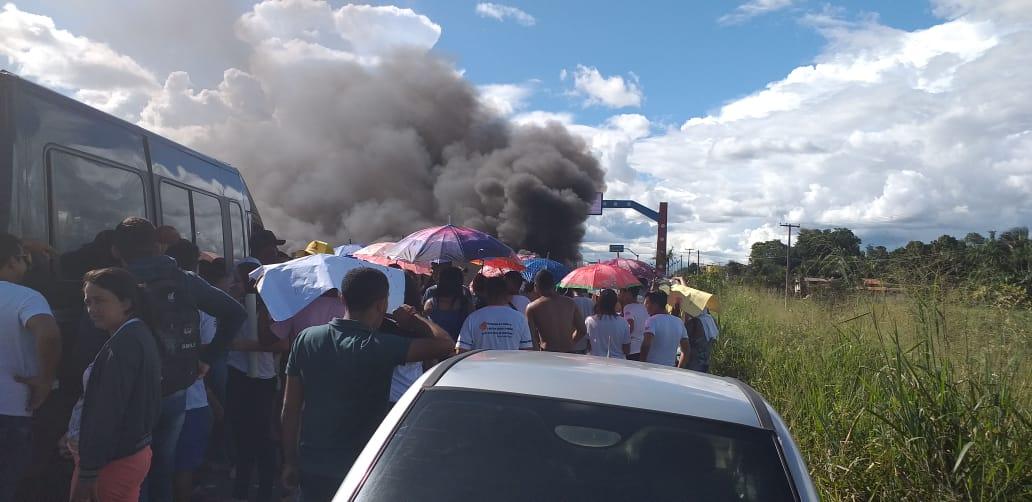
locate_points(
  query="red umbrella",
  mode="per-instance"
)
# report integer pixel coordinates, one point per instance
(599, 276)
(639, 268)
(495, 267)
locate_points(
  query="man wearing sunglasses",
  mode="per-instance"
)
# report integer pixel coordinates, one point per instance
(30, 347)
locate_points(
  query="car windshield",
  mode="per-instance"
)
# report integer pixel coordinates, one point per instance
(474, 445)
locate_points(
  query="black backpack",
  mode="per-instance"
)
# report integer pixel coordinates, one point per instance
(176, 324)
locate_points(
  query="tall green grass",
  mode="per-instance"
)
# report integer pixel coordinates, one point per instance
(891, 398)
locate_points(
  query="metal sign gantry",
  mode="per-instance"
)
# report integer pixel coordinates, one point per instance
(660, 217)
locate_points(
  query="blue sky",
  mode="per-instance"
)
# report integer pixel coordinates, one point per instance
(687, 61)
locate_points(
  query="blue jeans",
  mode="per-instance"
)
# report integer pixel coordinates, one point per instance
(158, 485)
(15, 445)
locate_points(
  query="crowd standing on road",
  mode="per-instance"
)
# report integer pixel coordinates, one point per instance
(175, 379)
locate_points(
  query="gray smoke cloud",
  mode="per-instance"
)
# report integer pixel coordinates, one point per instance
(348, 128)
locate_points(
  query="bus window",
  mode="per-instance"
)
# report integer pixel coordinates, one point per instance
(175, 208)
(236, 223)
(87, 197)
(208, 224)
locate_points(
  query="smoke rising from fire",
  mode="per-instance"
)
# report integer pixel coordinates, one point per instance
(338, 145)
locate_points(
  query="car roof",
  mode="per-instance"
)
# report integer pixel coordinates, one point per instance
(605, 381)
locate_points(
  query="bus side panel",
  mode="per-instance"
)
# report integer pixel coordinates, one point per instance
(7, 202)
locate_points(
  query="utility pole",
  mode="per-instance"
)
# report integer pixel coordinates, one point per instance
(686, 272)
(788, 256)
(698, 262)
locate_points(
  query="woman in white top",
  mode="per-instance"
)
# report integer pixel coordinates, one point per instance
(608, 334)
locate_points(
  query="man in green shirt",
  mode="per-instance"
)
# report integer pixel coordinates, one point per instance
(338, 382)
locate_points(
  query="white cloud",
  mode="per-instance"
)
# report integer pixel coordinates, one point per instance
(1001, 11)
(91, 70)
(753, 8)
(613, 92)
(505, 99)
(889, 132)
(541, 118)
(501, 12)
(362, 31)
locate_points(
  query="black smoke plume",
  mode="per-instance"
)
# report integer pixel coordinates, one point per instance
(346, 151)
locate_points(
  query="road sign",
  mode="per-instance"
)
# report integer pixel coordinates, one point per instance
(616, 248)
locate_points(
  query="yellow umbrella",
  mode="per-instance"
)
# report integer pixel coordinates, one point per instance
(692, 300)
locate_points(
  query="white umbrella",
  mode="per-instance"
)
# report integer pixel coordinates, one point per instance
(288, 287)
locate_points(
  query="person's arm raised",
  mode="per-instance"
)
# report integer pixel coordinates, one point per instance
(438, 345)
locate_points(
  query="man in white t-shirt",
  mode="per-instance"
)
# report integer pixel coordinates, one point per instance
(496, 326)
(515, 283)
(664, 334)
(30, 347)
(636, 316)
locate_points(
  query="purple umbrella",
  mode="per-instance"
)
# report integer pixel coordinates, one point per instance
(639, 268)
(449, 243)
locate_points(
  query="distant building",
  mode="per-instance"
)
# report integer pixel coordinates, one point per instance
(878, 286)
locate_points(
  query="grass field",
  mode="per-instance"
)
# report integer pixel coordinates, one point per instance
(891, 398)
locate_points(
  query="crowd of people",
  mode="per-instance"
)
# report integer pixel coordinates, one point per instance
(180, 379)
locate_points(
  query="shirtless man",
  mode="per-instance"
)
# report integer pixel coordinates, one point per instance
(556, 323)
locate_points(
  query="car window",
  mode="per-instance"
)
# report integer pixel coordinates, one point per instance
(470, 445)
(208, 224)
(88, 197)
(175, 208)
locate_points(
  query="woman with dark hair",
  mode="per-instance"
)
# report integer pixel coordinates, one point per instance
(449, 306)
(109, 434)
(608, 334)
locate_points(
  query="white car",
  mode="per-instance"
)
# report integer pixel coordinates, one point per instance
(530, 426)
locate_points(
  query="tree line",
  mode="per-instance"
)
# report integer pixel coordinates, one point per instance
(993, 268)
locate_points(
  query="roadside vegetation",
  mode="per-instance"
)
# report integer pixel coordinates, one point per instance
(916, 396)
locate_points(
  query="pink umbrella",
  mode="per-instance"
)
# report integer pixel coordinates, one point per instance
(599, 276)
(639, 268)
(376, 253)
(377, 249)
